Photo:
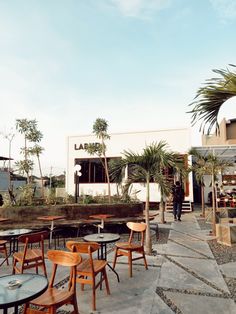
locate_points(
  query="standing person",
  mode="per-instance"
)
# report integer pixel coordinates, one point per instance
(1, 200)
(178, 197)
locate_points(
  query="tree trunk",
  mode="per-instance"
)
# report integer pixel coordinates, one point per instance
(148, 234)
(25, 153)
(203, 200)
(107, 174)
(41, 176)
(213, 206)
(162, 210)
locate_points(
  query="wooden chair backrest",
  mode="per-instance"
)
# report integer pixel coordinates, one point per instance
(137, 227)
(84, 248)
(33, 237)
(67, 259)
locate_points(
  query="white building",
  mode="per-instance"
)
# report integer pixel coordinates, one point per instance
(92, 181)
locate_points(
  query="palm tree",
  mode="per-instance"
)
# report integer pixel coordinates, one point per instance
(211, 97)
(168, 160)
(200, 170)
(214, 166)
(144, 168)
(100, 127)
(37, 151)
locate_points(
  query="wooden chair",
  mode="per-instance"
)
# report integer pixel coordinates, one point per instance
(53, 298)
(30, 257)
(3, 249)
(89, 268)
(127, 248)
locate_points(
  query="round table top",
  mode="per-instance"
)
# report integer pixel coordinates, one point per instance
(102, 237)
(101, 216)
(20, 288)
(14, 232)
(4, 219)
(50, 218)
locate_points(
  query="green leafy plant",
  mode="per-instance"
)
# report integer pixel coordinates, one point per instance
(25, 196)
(211, 97)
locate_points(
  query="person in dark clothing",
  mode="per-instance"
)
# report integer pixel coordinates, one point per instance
(178, 197)
(1, 200)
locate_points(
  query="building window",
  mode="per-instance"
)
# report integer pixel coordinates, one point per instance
(92, 170)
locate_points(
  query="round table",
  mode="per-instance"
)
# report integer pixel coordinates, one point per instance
(12, 235)
(30, 287)
(103, 239)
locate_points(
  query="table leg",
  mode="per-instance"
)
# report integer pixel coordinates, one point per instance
(104, 256)
(118, 278)
(16, 309)
(51, 230)
(101, 226)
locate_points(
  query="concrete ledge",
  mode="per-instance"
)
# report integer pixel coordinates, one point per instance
(226, 233)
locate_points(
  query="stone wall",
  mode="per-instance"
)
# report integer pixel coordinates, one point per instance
(28, 215)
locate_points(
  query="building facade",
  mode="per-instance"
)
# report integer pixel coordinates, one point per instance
(223, 145)
(93, 180)
(225, 136)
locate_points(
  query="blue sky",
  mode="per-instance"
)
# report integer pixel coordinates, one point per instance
(136, 63)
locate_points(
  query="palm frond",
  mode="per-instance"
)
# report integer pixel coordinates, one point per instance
(210, 98)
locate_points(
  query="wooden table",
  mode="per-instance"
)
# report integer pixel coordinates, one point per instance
(4, 219)
(102, 217)
(52, 219)
(20, 288)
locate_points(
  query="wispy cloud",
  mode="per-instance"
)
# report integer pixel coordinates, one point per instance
(225, 8)
(139, 8)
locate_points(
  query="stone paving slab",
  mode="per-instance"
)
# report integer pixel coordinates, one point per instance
(229, 269)
(206, 269)
(196, 304)
(191, 242)
(174, 277)
(180, 250)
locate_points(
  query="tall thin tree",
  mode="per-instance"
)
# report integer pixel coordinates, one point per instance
(100, 127)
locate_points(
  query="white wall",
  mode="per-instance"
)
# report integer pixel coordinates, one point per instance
(178, 140)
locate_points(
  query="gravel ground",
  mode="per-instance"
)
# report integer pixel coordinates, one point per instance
(164, 234)
(223, 254)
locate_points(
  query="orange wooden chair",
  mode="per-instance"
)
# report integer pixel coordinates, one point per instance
(30, 256)
(3, 249)
(89, 268)
(53, 298)
(127, 248)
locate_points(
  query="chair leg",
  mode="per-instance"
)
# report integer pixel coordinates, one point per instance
(94, 295)
(75, 304)
(115, 258)
(52, 310)
(5, 253)
(130, 263)
(25, 307)
(14, 265)
(44, 269)
(145, 261)
(106, 281)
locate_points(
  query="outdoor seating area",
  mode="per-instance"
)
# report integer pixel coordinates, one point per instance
(173, 281)
(30, 251)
